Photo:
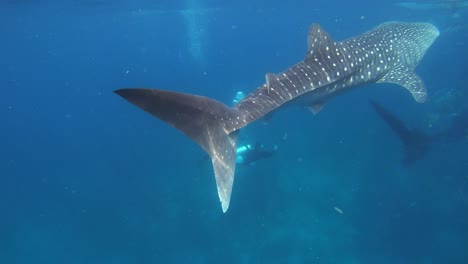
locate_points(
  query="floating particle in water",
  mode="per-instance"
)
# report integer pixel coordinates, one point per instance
(338, 210)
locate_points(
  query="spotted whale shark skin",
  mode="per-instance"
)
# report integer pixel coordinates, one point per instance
(386, 54)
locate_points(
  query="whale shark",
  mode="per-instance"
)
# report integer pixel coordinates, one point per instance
(416, 143)
(388, 53)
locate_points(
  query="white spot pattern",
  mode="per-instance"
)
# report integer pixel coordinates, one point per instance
(338, 65)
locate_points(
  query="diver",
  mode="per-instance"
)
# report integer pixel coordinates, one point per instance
(248, 154)
(239, 96)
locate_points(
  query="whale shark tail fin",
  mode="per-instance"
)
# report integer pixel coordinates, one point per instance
(200, 118)
(415, 142)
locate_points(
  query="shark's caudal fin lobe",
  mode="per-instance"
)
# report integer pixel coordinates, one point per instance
(200, 118)
(415, 142)
(406, 77)
(395, 124)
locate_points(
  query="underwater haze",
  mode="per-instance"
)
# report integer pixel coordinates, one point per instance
(86, 177)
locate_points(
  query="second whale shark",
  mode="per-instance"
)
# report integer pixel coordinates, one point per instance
(386, 54)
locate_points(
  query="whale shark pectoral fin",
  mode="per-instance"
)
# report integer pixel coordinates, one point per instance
(318, 39)
(406, 77)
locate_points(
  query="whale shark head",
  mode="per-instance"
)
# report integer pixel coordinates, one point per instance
(411, 39)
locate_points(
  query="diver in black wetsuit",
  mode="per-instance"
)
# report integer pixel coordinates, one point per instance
(249, 154)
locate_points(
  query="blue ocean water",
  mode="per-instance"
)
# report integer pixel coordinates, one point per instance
(86, 177)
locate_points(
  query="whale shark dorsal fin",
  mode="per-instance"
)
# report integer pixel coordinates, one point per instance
(318, 39)
(406, 77)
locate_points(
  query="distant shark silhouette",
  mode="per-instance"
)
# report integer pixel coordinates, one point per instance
(386, 54)
(415, 142)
